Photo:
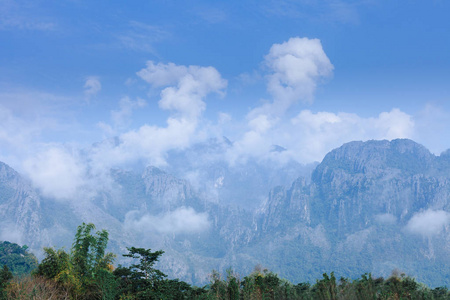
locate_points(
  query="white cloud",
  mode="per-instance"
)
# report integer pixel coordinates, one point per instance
(57, 172)
(428, 223)
(183, 91)
(320, 132)
(309, 136)
(393, 124)
(187, 86)
(297, 65)
(152, 142)
(122, 117)
(261, 123)
(63, 173)
(181, 220)
(159, 75)
(92, 86)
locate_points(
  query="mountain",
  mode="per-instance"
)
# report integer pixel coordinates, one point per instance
(370, 206)
(20, 209)
(17, 258)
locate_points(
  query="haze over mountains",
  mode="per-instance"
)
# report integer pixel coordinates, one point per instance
(370, 206)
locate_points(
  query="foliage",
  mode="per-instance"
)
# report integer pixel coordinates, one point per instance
(5, 277)
(35, 287)
(141, 280)
(267, 285)
(17, 258)
(85, 271)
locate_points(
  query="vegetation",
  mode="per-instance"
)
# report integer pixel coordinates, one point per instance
(17, 258)
(86, 272)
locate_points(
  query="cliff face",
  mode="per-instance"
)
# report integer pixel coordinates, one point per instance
(359, 181)
(368, 207)
(20, 209)
(371, 206)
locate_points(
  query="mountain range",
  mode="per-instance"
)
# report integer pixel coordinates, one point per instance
(373, 206)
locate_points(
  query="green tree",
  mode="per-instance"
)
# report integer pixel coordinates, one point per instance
(141, 280)
(88, 251)
(5, 276)
(17, 258)
(84, 271)
(55, 262)
(232, 285)
(218, 287)
(326, 289)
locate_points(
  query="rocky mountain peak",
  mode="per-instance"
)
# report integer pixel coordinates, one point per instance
(166, 191)
(7, 173)
(375, 158)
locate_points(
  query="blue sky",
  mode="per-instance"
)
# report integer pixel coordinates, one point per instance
(306, 75)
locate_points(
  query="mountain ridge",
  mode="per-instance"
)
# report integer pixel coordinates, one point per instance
(354, 215)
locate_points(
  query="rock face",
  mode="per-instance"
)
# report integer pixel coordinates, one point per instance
(370, 203)
(367, 207)
(359, 181)
(20, 209)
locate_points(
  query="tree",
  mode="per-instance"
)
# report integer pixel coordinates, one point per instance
(326, 288)
(82, 272)
(54, 263)
(17, 258)
(141, 280)
(88, 251)
(233, 285)
(5, 277)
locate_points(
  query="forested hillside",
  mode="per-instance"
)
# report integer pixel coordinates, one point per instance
(16, 258)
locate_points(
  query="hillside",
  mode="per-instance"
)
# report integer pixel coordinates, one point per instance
(369, 206)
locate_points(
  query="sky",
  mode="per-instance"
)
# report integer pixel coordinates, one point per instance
(164, 75)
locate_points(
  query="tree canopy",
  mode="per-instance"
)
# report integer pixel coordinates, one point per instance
(87, 272)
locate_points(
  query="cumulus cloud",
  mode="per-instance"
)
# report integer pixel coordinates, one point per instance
(185, 87)
(183, 90)
(92, 86)
(153, 142)
(63, 172)
(319, 132)
(428, 223)
(181, 220)
(309, 136)
(56, 172)
(296, 67)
